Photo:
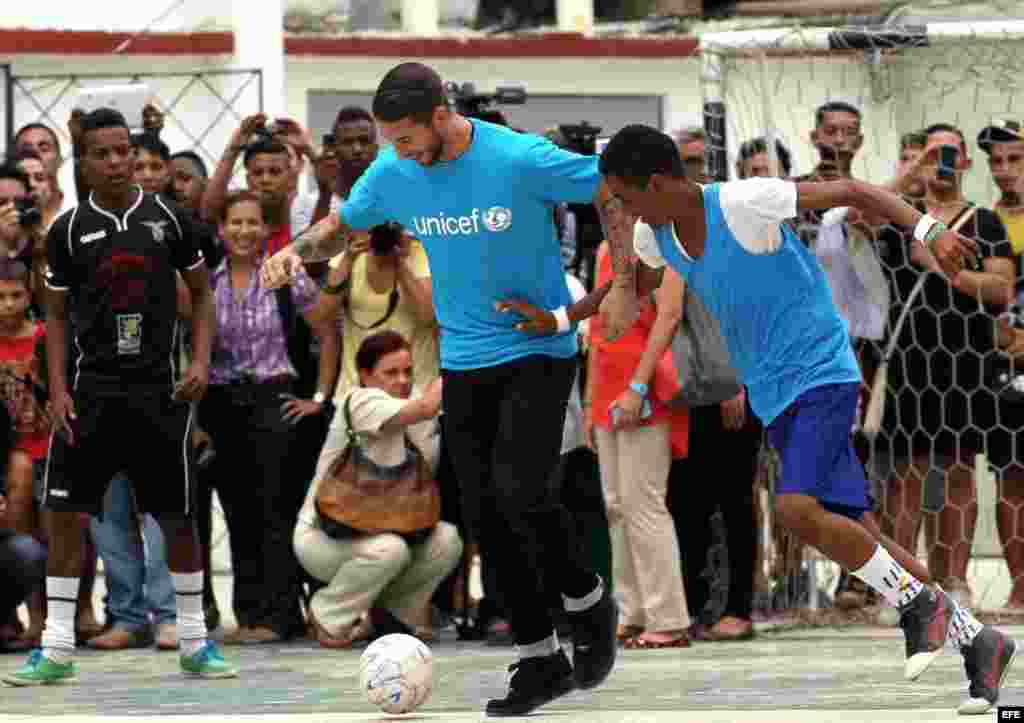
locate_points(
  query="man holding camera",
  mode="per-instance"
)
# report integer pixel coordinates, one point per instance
(272, 155)
(943, 411)
(382, 280)
(21, 223)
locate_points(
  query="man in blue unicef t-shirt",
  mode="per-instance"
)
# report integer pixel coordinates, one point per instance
(480, 197)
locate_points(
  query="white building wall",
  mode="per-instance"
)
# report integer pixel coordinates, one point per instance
(675, 78)
(960, 85)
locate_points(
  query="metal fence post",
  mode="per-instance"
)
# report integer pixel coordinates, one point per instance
(8, 91)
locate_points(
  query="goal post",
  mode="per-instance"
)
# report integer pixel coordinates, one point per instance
(902, 78)
(883, 69)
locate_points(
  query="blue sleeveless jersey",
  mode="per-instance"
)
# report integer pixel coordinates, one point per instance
(776, 312)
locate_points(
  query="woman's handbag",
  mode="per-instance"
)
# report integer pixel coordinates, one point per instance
(706, 374)
(361, 497)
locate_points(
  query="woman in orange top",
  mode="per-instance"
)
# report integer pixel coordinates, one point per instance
(636, 436)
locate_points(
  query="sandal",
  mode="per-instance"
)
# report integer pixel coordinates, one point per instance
(733, 630)
(625, 632)
(639, 642)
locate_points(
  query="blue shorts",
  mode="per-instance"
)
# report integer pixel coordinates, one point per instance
(812, 439)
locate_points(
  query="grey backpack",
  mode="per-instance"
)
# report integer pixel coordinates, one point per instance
(706, 374)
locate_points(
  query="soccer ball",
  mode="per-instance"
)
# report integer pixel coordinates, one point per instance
(396, 673)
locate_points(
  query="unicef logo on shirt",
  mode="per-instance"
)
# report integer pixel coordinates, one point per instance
(497, 218)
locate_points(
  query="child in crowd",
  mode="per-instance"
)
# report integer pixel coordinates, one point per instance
(22, 375)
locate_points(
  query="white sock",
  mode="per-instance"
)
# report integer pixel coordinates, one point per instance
(540, 649)
(963, 628)
(58, 639)
(579, 604)
(887, 577)
(188, 598)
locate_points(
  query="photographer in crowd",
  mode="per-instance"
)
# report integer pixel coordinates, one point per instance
(41, 140)
(22, 235)
(930, 437)
(382, 282)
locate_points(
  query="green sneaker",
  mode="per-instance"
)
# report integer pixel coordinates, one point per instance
(40, 670)
(207, 662)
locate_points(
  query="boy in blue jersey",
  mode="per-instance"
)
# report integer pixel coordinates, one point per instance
(480, 198)
(790, 346)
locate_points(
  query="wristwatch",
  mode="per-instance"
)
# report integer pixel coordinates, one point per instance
(319, 398)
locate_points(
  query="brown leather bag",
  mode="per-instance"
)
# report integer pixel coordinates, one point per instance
(361, 497)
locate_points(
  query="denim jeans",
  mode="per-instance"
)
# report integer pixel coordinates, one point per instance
(138, 581)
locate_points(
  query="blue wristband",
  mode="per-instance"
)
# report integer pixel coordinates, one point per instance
(639, 388)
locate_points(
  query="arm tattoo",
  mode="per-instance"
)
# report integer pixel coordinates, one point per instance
(323, 240)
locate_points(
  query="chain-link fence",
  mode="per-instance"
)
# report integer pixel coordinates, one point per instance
(945, 465)
(201, 108)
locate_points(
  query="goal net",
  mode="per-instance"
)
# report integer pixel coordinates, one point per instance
(946, 470)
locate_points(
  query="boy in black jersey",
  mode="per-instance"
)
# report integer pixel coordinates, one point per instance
(112, 264)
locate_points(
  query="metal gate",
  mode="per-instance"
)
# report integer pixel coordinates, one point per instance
(201, 108)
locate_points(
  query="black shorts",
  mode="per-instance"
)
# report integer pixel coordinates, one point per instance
(144, 434)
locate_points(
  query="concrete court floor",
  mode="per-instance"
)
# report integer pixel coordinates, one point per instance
(820, 674)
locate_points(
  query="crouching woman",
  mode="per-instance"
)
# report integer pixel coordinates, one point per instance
(393, 573)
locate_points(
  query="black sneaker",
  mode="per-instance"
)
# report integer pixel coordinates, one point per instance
(594, 646)
(986, 660)
(534, 682)
(925, 621)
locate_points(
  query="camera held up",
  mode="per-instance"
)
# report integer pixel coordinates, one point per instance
(28, 214)
(386, 238)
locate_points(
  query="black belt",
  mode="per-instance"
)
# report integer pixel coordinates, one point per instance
(248, 391)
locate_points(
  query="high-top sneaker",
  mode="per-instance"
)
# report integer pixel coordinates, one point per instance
(925, 620)
(594, 645)
(534, 682)
(987, 660)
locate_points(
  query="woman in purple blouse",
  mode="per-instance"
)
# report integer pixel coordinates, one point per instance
(250, 411)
